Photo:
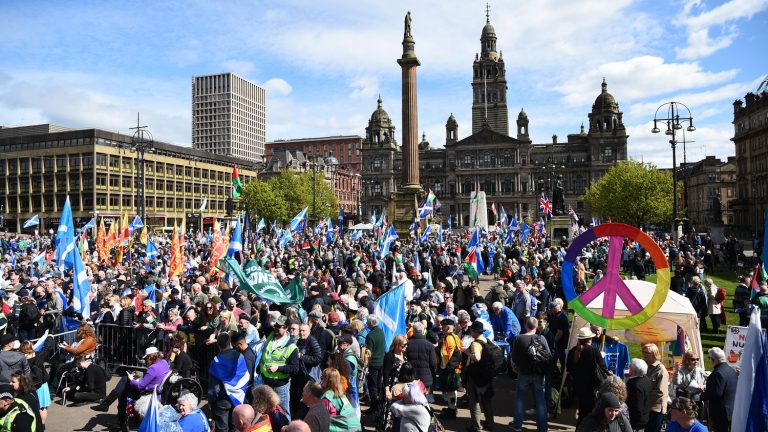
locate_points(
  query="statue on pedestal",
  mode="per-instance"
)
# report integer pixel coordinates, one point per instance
(558, 198)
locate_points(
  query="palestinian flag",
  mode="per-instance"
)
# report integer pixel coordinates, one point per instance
(237, 185)
(473, 265)
(757, 279)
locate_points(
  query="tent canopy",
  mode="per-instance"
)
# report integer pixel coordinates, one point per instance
(662, 327)
(362, 226)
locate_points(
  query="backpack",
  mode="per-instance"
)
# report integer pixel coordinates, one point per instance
(455, 359)
(29, 314)
(539, 358)
(491, 360)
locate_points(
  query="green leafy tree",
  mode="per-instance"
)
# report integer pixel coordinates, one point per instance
(260, 198)
(286, 194)
(633, 193)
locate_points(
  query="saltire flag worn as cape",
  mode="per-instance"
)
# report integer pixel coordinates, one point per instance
(262, 283)
(230, 368)
(237, 185)
(390, 309)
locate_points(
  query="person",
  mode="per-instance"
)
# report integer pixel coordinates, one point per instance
(522, 303)
(688, 380)
(393, 361)
(559, 325)
(720, 391)
(607, 417)
(11, 360)
(342, 414)
(178, 356)
(243, 416)
(219, 402)
(412, 409)
(375, 343)
(267, 403)
(297, 426)
(192, 419)
(317, 417)
(280, 361)
(683, 412)
(92, 385)
(505, 324)
(421, 354)
(251, 332)
(660, 390)
(15, 414)
(479, 384)
(639, 388)
(449, 369)
(310, 356)
(715, 299)
(529, 376)
(582, 364)
(39, 374)
(24, 390)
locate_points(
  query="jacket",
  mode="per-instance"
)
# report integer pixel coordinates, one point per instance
(421, 354)
(154, 376)
(721, 392)
(311, 353)
(10, 362)
(82, 348)
(414, 417)
(594, 423)
(660, 390)
(505, 323)
(639, 400)
(375, 342)
(126, 317)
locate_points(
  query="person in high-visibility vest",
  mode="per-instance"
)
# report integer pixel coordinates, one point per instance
(15, 414)
(280, 360)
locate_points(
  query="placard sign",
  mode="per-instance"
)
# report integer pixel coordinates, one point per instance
(735, 338)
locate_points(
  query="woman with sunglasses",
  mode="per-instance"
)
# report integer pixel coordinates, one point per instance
(688, 380)
(683, 412)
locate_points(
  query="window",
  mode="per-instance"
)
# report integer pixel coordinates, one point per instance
(468, 161)
(101, 159)
(101, 180)
(74, 162)
(114, 201)
(377, 164)
(126, 182)
(126, 201)
(101, 200)
(24, 166)
(87, 161)
(114, 161)
(179, 171)
(377, 189)
(61, 163)
(114, 181)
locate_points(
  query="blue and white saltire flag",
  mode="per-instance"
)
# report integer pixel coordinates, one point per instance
(38, 346)
(525, 231)
(491, 254)
(236, 242)
(425, 235)
(480, 263)
(298, 219)
(510, 240)
(230, 368)
(262, 224)
(329, 236)
(752, 389)
(514, 224)
(475, 240)
(390, 309)
(150, 291)
(380, 222)
(417, 263)
(33, 221)
(504, 220)
(542, 225)
(428, 283)
(450, 222)
(152, 251)
(356, 235)
(440, 234)
(329, 223)
(136, 224)
(388, 240)
(151, 421)
(65, 239)
(39, 259)
(13, 260)
(373, 218)
(90, 225)
(286, 238)
(425, 210)
(595, 222)
(80, 286)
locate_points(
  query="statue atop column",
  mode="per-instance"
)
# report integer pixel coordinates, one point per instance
(558, 197)
(407, 25)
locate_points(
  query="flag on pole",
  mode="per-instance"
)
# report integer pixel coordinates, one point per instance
(38, 346)
(390, 309)
(750, 406)
(236, 242)
(237, 185)
(440, 233)
(90, 225)
(425, 235)
(152, 251)
(429, 283)
(65, 238)
(545, 205)
(176, 255)
(101, 241)
(204, 204)
(475, 240)
(373, 218)
(356, 235)
(425, 210)
(473, 264)
(112, 238)
(135, 224)
(503, 218)
(262, 224)
(388, 240)
(297, 220)
(144, 236)
(525, 231)
(33, 221)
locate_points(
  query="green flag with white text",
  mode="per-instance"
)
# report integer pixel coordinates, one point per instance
(262, 283)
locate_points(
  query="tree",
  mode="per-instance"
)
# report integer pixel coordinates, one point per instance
(634, 193)
(286, 194)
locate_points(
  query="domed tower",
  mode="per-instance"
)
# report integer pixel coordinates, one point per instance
(605, 116)
(489, 84)
(424, 144)
(451, 130)
(380, 131)
(522, 126)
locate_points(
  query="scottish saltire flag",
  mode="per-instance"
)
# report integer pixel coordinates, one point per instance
(542, 225)
(425, 210)
(136, 224)
(286, 238)
(230, 368)
(262, 224)
(38, 346)
(440, 234)
(525, 231)
(236, 242)
(475, 240)
(298, 219)
(417, 263)
(425, 235)
(450, 222)
(90, 225)
(152, 251)
(65, 238)
(373, 218)
(150, 291)
(390, 309)
(503, 217)
(151, 421)
(428, 283)
(39, 259)
(388, 240)
(33, 221)
(356, 235)
(750, 406)
(380, 222)
(545, 205)
(491, 254)
(80, 286)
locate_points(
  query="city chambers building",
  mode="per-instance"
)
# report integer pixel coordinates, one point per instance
(510, 169)
(40, 165)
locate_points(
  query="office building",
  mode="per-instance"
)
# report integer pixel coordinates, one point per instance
(228, 116)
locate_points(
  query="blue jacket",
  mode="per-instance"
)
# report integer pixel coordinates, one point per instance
(505, 323)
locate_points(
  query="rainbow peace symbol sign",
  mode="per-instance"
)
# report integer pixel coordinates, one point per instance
(612, 285)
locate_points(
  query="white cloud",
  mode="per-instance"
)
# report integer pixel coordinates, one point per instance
(243, 68)
(721, 20)
(713, 139)
(364, 87)
(277, 87)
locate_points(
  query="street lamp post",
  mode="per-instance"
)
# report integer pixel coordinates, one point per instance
(674, 122)
(141, 142)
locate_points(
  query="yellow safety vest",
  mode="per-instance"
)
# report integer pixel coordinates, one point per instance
(6, 423)
(276, 356)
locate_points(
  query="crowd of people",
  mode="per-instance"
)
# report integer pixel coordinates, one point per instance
(314, 365)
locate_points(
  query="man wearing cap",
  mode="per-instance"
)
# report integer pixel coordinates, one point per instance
(11, 360)
(582, 363)
(174, 301)
(279, 361)
(15, 414)
(449, 368)
(479, 387)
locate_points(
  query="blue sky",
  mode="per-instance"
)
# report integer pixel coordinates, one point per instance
(97, 63)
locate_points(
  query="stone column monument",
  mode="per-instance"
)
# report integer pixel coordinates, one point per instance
(402, 204)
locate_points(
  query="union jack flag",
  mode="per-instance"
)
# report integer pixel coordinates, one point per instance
(545, 205)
